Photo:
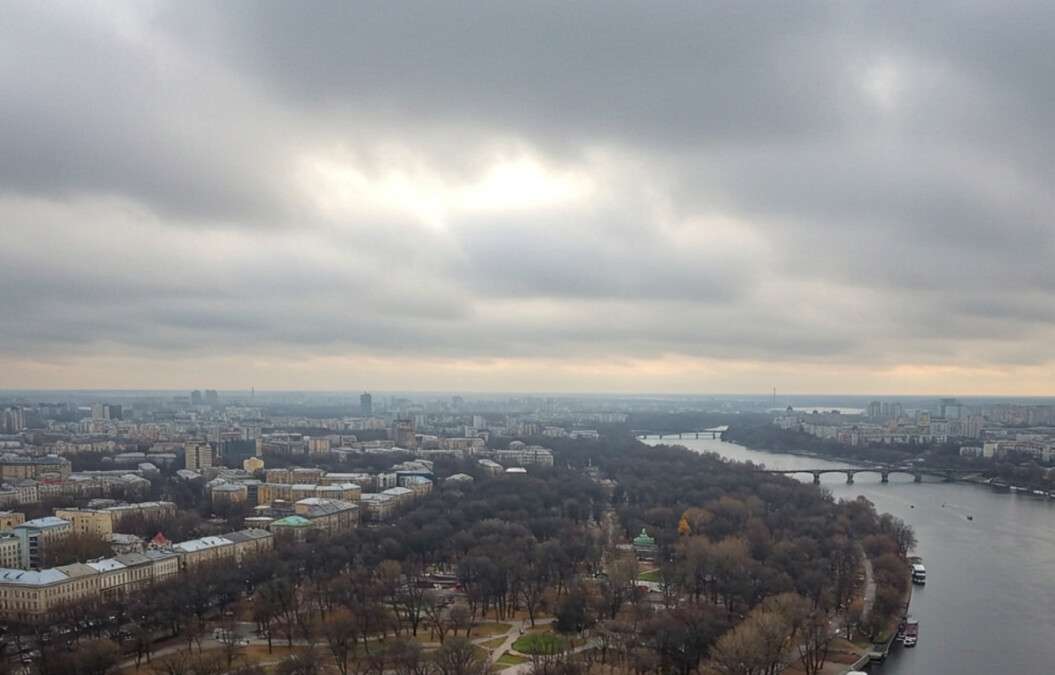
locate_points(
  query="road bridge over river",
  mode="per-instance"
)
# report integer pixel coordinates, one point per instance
(713, 432)
(884, 472)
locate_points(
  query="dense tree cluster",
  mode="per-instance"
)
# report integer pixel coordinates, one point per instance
(747, 564)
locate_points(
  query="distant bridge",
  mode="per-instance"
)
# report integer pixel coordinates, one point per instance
(884, 472)
(714, 432)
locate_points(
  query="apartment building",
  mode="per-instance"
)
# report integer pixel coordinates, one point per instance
(378, 507)
(332, 516)
(29, 595)
(106, 521)
(9, 519)
(234, 547)
(35, 536)
(519, 454)
(18, 466)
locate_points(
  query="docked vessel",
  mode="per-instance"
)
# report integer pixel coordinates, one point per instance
(919, 574)
(910, 632)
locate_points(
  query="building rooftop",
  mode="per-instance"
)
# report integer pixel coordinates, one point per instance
(377, 497)
(130, 559)
(32, 577)
(643, 539)
(43, 523)
(202, 544)
(292, 521)
(106, 565)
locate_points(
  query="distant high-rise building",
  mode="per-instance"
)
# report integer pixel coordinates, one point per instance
(875, 410)
(403, 434)
(195, 397)
(951, 409)
(366, 404)
(211, 397)
(106, 411)
(12, 420)
(199, 456)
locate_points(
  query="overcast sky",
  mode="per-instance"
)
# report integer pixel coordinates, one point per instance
(590, 196)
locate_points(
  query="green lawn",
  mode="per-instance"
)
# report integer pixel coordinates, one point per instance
(651, 575)
(540, 643)
(510, 660)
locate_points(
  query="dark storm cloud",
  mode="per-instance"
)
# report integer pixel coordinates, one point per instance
(810, 181)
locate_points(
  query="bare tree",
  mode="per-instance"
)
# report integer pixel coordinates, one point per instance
(339, 631)
(457, 657)
(814, 642)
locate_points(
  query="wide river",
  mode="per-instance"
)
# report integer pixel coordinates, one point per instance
(989, 604)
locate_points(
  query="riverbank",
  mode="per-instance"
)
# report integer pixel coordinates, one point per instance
(989, 570)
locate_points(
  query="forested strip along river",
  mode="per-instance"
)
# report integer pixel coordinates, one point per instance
(989, 603)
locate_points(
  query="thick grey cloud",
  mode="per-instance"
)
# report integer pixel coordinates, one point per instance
(817, 182)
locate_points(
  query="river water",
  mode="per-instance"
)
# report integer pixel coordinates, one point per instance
(989, 603)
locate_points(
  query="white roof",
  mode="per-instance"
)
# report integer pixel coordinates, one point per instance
(202, 544)
(376, 497)
(45, 522)
(105, 565)
(31, 577)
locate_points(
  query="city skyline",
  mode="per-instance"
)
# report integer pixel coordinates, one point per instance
(592, 198)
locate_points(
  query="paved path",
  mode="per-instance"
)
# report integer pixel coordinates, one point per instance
(517, 629)
(870, 591)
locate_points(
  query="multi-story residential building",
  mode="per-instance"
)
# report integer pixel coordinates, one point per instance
(403, 433)
(30, 595)
(227, 494)
(519, 454)
(199, 456)
(10, 551)
(378, 507)
(12, 420)
(234, 546)
(9, 519)
(105, 521)
(36, 535)
(419, 485)
(250, 542)
(349, 492)
(18, 466)
(293, 475)
(271, 492)
(133, 571)
(402, 495)
(332, 516)
(291, 528)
